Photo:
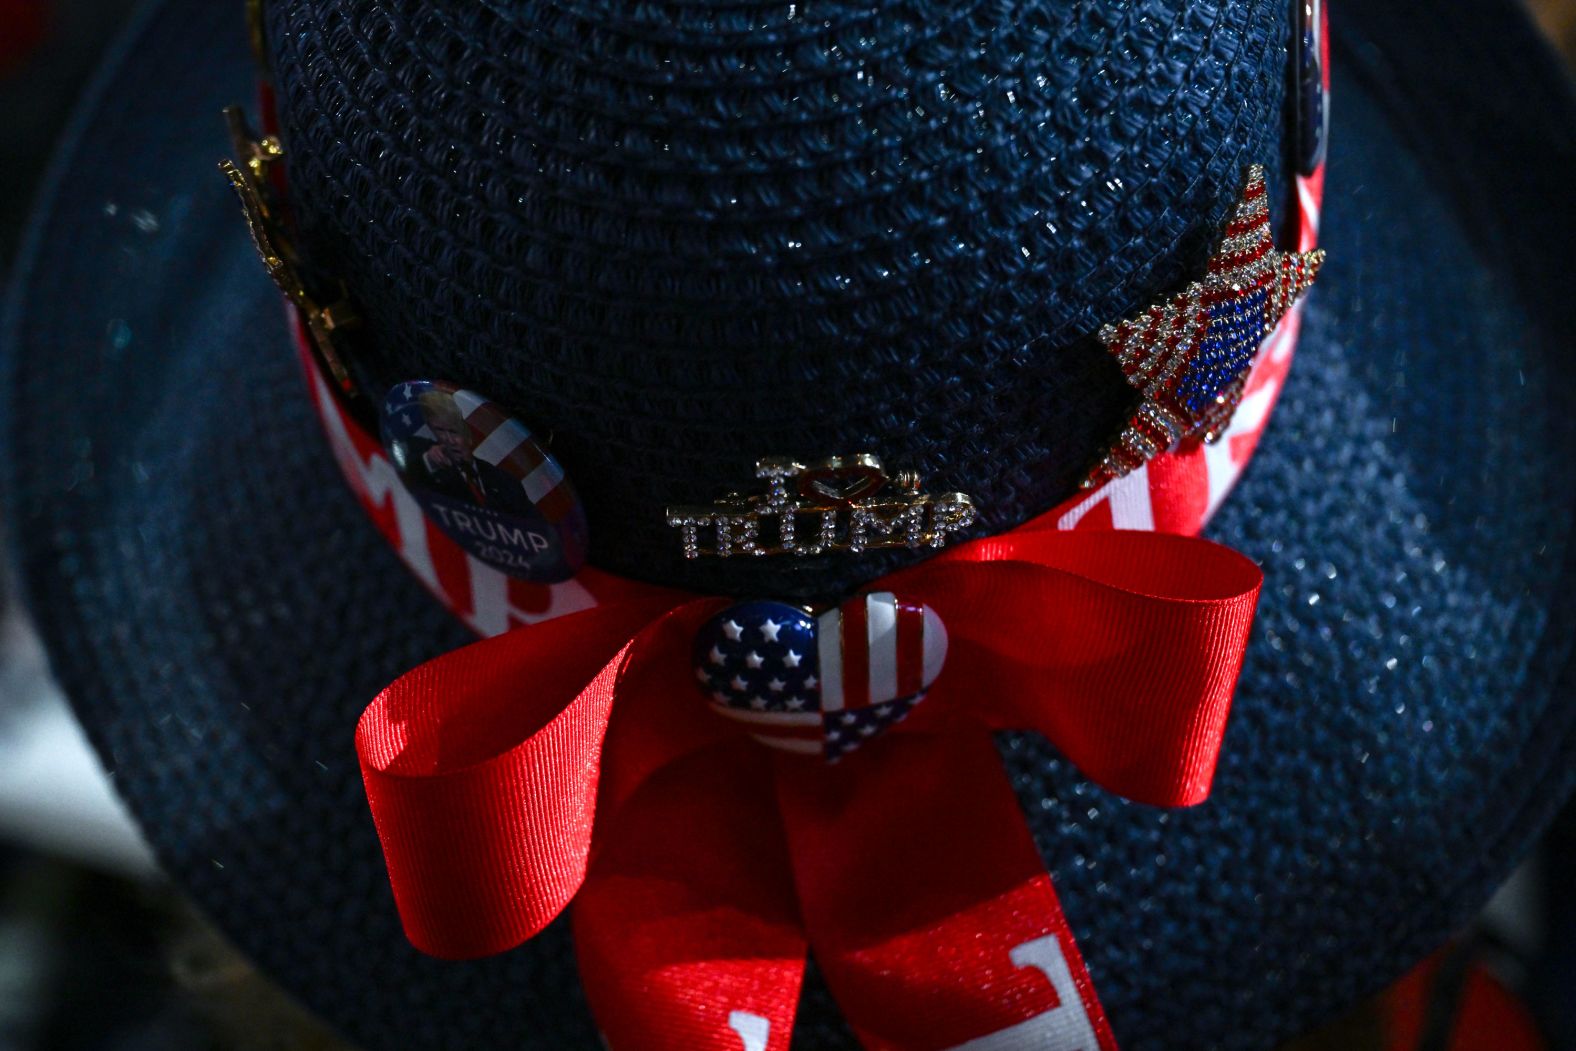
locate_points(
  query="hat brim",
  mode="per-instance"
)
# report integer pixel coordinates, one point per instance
(220, 610)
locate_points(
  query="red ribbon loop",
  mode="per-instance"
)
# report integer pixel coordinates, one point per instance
(707, 867)
(481, 769)
(1122, 648)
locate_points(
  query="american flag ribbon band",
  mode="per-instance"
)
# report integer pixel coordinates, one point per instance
(1176, 492)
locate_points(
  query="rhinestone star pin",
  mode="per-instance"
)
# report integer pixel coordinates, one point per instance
(1190, 356)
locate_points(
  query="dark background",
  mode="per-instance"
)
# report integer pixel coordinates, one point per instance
(96, 952)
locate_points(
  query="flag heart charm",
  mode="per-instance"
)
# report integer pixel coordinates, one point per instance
(819, 685)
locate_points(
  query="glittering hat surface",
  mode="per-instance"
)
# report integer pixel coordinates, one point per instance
(682, 238)
(675, 240)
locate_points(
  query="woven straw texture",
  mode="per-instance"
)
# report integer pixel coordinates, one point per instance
(678, 236)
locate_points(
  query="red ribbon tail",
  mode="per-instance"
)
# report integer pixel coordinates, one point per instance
(686, 929)
(928, 907)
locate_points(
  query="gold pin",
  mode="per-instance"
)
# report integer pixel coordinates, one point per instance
(250, 179)
(258, 154)
(842, 504)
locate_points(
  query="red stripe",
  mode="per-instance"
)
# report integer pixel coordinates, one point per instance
(1179, 491)
(529, 596)
(856, 654)
(486, 418)
(557, 504)
(910, 649)
(523, 458)
(1098, 517)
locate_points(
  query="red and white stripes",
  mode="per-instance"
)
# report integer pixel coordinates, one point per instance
(877, 649)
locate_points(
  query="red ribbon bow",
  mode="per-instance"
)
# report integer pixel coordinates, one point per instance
(575, 760)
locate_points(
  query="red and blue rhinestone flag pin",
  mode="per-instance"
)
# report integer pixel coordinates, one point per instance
(1190, 356)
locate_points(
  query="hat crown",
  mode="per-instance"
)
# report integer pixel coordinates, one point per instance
(678, 237)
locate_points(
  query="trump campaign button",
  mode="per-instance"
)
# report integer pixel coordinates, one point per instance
(484, 480)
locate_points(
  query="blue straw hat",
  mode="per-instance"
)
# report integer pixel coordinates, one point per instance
(676, 236)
